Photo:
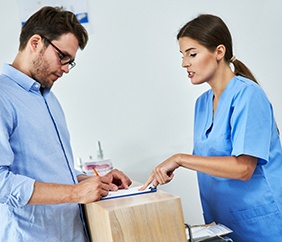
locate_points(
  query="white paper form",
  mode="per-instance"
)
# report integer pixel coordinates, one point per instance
(131, 191)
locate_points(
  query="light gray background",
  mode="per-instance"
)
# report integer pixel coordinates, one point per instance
(129, 91)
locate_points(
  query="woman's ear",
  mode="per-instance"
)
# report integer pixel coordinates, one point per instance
(220, 52)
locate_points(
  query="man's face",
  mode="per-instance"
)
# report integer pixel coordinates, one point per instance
(46, 66)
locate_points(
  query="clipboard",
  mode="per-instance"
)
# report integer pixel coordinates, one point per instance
(208, 233)
(131, 191)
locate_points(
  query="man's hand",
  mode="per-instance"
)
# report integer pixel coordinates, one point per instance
(91, 189)
(118, 180)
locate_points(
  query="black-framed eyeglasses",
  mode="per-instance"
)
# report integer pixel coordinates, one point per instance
(64, 59)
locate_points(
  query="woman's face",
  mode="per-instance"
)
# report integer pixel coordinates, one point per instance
(201, 64)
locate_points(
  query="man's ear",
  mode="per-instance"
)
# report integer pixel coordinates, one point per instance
(35, 42)
(220, 52)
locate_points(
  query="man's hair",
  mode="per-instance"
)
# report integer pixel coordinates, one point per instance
(52, 22)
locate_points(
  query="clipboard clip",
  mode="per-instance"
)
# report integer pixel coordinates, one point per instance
(187, 226)
(153, 188)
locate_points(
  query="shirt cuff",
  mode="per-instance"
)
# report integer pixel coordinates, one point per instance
(21, 191)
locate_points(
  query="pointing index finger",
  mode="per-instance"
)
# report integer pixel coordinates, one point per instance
(147, 183)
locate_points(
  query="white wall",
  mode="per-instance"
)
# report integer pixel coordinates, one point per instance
(129, 91)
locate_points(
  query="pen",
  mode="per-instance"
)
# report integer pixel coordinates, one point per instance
(96, 172)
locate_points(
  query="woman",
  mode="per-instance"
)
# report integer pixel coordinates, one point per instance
(237, 151)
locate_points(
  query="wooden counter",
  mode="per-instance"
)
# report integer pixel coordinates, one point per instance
(151, 217)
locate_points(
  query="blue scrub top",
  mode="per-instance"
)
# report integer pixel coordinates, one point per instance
(243, 124)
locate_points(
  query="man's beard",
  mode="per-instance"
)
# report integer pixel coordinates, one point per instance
(40, 69)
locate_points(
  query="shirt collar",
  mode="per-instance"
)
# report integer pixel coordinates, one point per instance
(20, 78)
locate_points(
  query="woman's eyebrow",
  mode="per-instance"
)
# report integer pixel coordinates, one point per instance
(187, 50)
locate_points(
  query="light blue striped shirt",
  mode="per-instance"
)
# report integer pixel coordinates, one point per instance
(34, 146)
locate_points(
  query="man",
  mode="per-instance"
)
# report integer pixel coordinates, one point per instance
(40, 191)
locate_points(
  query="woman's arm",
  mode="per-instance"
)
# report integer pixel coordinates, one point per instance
(241, 167)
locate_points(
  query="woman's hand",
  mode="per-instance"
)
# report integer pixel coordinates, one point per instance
(163, 173)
